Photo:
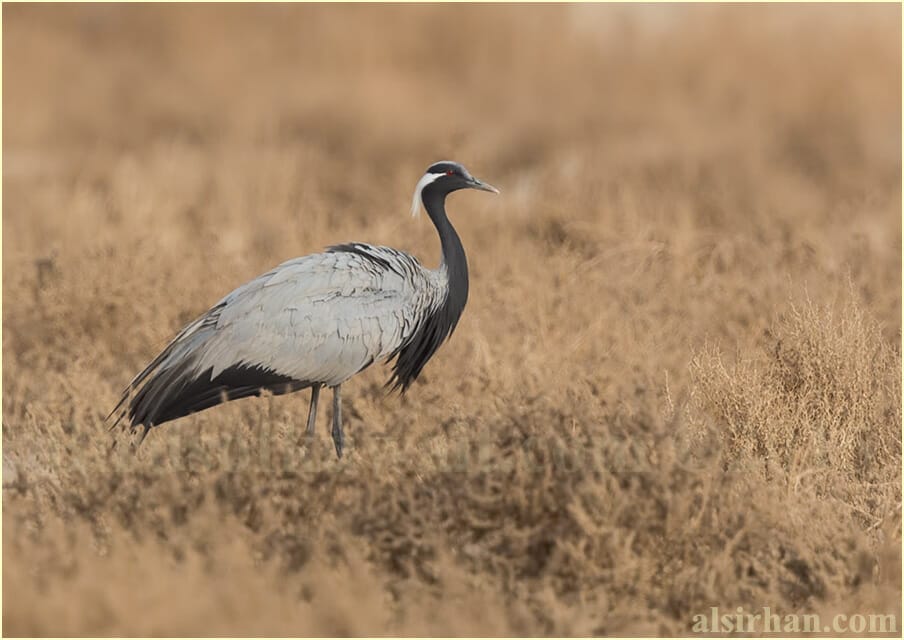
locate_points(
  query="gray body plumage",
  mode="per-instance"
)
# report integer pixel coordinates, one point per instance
(322, 317)
(311, 321)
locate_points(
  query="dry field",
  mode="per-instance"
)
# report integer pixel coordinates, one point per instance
(676, 385)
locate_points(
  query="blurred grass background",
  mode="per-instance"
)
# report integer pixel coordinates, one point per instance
(676, 385)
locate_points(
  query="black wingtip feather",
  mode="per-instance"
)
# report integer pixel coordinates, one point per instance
(175, 393)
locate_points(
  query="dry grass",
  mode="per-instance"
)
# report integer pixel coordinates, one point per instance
(822, 403)
(676, 385)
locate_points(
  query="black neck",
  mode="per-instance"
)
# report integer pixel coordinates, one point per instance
(453, 252)
(438, 325)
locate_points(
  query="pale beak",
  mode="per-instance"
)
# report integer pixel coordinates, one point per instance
(474, 183)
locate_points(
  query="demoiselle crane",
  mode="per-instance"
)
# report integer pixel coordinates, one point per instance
(314, 321)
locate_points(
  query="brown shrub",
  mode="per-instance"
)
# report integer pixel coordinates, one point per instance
(820, 401)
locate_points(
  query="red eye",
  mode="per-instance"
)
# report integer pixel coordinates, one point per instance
(449, 173)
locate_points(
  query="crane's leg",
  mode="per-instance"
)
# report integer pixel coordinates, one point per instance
(312, 412)
(337, 420)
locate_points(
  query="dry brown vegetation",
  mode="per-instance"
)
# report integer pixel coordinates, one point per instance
(676, 385)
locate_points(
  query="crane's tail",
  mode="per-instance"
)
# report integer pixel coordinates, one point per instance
(149, 390)
(176, 383)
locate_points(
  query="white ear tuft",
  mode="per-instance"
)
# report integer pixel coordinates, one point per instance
(426, 179)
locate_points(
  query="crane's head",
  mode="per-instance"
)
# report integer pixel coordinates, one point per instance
(444, 178)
